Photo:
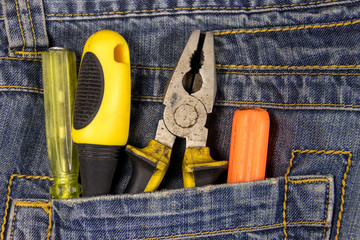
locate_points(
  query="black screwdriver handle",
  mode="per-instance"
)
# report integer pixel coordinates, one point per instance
(97, 167)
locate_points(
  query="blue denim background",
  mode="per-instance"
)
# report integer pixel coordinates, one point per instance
(298, 59)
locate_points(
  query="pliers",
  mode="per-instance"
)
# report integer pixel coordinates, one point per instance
(189, 97)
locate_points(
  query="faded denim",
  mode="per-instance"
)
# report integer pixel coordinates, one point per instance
(298, 59)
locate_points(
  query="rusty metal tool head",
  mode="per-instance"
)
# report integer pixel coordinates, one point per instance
(190, 93)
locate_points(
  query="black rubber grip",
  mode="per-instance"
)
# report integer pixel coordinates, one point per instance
(89, 91)
(143, 170)
(97, 167)
(208, 175)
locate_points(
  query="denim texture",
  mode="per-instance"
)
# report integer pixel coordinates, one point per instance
(298, 59)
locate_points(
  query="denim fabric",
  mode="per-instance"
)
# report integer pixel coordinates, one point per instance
(298, 59)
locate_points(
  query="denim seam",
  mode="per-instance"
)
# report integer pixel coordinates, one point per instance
(140, 97)
(23, 52)
(313, 26)
(32, 25)
(227, 66)
(21, 89)
(46, 206)
(309, 180)
(189, 8)
(13, 223)
(20, 26)
(227, 230)
(251, 67)
(35, 53)
(288, 67)
(326, 206)
(291, 73)
(21, 59)
(8, 198)
(269, 104)
(310, 26)
(327, 152)
(24, 87)
(303, 181)
(334, 105)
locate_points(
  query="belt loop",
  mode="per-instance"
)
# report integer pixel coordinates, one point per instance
(25, 27)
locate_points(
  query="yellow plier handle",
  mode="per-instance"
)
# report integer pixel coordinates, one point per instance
(149, 166)
(199, 169)
(151, 163)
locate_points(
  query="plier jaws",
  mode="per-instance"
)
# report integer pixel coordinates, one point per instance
(190, 92)
(189, 97)
(197, 61)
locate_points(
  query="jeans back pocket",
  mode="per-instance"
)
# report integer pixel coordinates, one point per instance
(295, 207)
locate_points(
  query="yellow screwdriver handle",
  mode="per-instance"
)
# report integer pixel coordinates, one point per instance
(102, 109)
(103, 96)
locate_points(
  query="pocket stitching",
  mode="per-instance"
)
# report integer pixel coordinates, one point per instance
(8, 196)
(13, 224)
(327, 152)
(309, 26)
(190, 8)
(46, 206)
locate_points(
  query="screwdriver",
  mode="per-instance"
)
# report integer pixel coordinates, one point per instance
(249, 145)
(102, 109)
(59, 80)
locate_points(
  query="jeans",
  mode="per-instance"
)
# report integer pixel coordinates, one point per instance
(298, 59)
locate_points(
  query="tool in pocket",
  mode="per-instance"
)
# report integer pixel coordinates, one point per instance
(102, 109)
(189, 97)
(59, 80)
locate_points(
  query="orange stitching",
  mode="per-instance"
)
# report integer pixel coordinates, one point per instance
(326, 207)
(23, 87)
(287, 67)
(290, 73)
(29, 53)
(291, 104)
(314, 26)
(8, 196)
(32, 26)
(331, 67)
(152, 68)
(338, 225)
(21, 29)
(190, 8)
(265, 103)
(147, 97)
(310, 180)
(226, 230)
(22, 59)
(46, 206)
(13, 224)
(285, 193)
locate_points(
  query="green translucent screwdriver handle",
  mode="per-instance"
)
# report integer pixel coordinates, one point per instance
(59, 77)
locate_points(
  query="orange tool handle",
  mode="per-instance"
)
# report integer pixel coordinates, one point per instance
(249, 145)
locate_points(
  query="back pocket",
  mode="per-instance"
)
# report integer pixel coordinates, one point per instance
(294, 207)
